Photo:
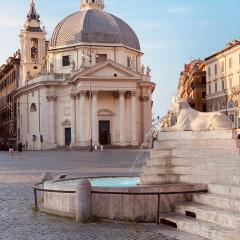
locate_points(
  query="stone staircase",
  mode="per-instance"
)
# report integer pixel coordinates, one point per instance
(214, 215)
(211, 158)
(193, 157)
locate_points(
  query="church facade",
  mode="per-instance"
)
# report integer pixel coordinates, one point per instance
(86, 86)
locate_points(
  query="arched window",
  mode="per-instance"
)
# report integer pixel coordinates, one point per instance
(33, 107)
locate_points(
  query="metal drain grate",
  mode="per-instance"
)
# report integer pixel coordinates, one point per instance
(168, 223)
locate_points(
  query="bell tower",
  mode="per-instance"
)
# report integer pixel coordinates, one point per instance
(92, 4)
(33, 45)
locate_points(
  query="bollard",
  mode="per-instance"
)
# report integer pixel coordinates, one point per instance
(83, 201)
(46, 177)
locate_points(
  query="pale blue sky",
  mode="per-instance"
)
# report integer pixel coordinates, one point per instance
(171, 32)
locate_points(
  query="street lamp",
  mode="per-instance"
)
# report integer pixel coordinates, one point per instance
(90, 55)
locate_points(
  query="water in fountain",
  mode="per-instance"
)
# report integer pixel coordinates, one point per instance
(144, 152)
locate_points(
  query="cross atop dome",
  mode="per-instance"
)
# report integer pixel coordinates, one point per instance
(92, 4)
(33, 15)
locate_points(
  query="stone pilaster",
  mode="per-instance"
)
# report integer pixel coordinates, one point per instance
(52, 113)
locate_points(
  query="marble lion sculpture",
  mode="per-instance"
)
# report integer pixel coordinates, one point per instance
(189, 119)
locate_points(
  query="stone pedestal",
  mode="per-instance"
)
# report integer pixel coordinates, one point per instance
(83, 201)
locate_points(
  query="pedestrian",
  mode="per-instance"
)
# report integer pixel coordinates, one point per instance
(11, 150)
(20, 148)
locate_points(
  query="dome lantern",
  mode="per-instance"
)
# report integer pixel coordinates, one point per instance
(92, 4)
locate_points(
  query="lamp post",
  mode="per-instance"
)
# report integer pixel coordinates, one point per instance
(90, 98)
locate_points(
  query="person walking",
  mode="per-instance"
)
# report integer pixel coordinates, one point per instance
(20, 147)
(11, 150)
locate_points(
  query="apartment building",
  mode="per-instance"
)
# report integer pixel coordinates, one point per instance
(223, 81)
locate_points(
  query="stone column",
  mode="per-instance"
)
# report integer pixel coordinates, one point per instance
(82, 114)
(134, 118)
(122, 118)
(73, 120)
(78, 118)
(52, 100)
(94, 118)
(147, 114)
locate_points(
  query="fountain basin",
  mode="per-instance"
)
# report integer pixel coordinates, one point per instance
(122, 207)
(108, 182)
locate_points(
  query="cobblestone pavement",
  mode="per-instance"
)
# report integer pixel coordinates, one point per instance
(18, 221)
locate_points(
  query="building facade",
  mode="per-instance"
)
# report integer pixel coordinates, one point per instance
(86, 85)
(192, 85)
(9, 80)
(223, 81)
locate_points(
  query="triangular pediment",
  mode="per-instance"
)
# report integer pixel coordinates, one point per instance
(108, 69)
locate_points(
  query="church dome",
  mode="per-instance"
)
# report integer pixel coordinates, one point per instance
(93, 25)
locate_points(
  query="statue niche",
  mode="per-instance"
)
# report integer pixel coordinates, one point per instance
(34, 49)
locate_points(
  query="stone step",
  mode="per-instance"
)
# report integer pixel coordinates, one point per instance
(201, 228)
(194, 170)
(231, 190)
(218, 200)
(175, 234)
(192, 179)
(207, 179)
(210, 214)
(198, 135)
(236, 178)
(192, 161)
(196, 152)
(215, 143)
(158, 178)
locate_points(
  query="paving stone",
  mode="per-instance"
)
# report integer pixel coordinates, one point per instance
(18, 221)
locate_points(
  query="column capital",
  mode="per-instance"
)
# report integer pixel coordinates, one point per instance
(82, 93)
(115, 94)
(122, 93)
(73, 96)
(52, 98)
(94, 93)
(145, 98)
(133, 93)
